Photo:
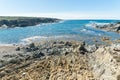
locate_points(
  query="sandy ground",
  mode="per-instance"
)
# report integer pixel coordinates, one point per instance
(8, 49)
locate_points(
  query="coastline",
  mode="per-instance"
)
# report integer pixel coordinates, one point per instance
(110, 27)
(60, 58)
(11, 22)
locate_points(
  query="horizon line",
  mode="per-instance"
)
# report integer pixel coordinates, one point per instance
(62, 18)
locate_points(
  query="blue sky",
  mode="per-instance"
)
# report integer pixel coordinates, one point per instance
(67, 9)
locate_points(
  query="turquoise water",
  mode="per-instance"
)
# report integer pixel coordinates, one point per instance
(69, 29)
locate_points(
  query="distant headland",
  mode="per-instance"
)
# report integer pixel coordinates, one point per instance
(11, 22)
(113, 27)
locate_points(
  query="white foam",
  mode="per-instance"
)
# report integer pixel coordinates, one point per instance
(93, 23)
(83, 30)
(87, 31)
(30, 39)
(62, 21)
(36, 38)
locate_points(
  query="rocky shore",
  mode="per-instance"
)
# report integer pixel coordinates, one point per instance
(62, 60)
(115, 27)
(11, 22)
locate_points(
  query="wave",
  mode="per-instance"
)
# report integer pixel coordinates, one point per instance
(29, 40)
(34, 38)
(93, 23)
(62, 21)
(87, 31)
(38, 38)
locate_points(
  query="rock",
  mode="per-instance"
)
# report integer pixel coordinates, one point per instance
(68, 44)
(54, 42)
(82, 48)
(105, 63)
(32, 45)
(62, 61)
(116, 47)
(27, 49)
(118, 30)
(118, 77)
(1, 63)
(15, 60)
(38, 55)
(91, 48)
(2, 74)
(8, 71)
(23, 74)
(30, 48)
(115, 27)
(17, 49)
(8, 56)
(61, 42)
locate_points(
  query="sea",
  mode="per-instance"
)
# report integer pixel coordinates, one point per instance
(80, 30)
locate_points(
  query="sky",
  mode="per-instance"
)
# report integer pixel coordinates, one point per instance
(63, 9)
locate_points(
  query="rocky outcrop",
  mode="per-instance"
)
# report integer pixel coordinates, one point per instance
(62, 60)
(105, 62)
(109, 27)
(10, 22)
